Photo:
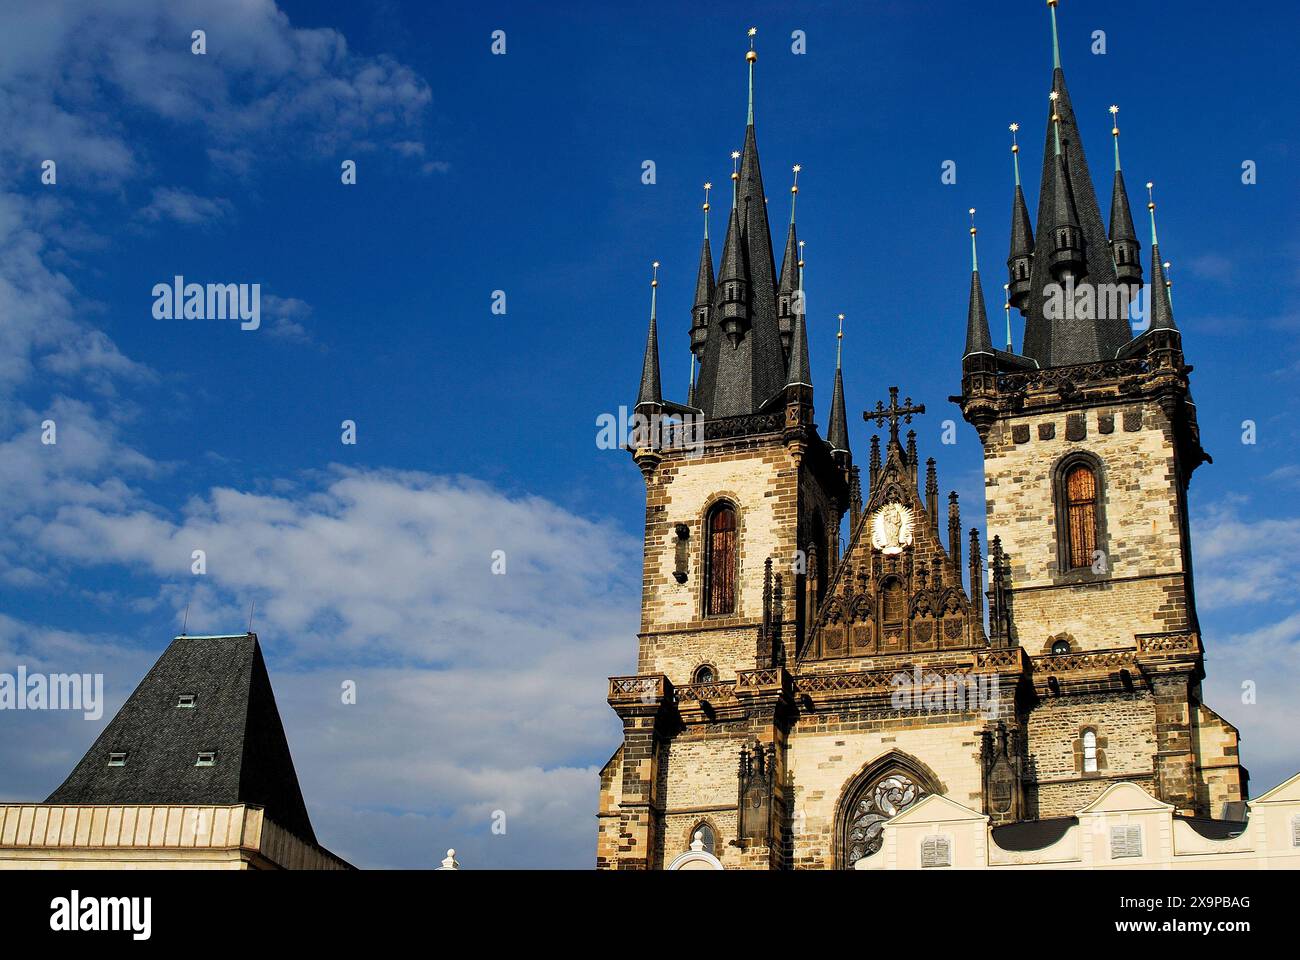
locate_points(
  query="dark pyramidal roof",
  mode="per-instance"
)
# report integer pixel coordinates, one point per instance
(1069, 192)
(234, 715)
(736, 380)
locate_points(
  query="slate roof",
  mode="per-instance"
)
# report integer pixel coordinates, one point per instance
(738, 380)
(234, 715)
(1032, 834)
(1060, 342)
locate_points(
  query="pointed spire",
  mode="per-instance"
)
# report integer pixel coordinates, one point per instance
(704, 288)
(743, 366)
(787, 292)
(978, 339)
(1162, 307)
(651, 393)
(1071, 242)
(733, 281)
(1020, 259)
(837, 431)
(1067, 258)
(751, 58)
(1056, 41)
(1124, 247)
(800, 374)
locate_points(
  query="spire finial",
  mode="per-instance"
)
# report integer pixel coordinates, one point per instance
(1114, 131)
(1169, 284)
(839, 341)
(1006, 306)
(1056, 44)
(1015, 151)
(1056, 120)
(751, 57)
(974, 257)
(654, 286)
(735, 176)
(1151, 206)
(707, 188)
(794, 189)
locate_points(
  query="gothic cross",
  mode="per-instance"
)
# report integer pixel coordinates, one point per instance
(892, 413)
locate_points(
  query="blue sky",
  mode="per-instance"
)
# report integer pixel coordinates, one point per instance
(476, 431)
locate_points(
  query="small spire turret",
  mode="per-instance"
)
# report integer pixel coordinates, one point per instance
(1020, 260)
(1124, 247)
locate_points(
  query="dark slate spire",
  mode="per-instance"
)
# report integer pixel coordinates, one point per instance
(651, 393)
(234, 716)
(1021, 258)
(978, 339)
(1066, 189)
(1124, 246)
(800, 372)
(703, 289)
(785, 295)
(1065, 248)
(1162, 306)
(744, 366)
(733, 283)
(837, 431)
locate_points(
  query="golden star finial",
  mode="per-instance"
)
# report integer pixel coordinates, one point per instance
(1053, 96)
(1114, 108)
(1014, 127)
(654, 277)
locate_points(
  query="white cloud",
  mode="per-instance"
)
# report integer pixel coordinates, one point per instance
(64, 76)
(186, 207)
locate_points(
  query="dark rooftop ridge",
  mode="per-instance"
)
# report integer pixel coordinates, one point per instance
(234, 715)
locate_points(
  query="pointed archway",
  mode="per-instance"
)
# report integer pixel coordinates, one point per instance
(883, 788)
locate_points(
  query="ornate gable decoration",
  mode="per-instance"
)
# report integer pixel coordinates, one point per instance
(897, 589)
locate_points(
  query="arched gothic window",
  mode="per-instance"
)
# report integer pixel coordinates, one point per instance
(720, 561)
(704, 673)
(1090, 751)
(707, 837)
(1060, 648)
(886, 788)
(1081, 514)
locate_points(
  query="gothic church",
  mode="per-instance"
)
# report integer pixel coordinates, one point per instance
(793, 693)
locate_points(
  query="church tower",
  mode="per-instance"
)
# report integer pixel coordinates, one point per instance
(744, 499)
(793, 694)
(1090, 441)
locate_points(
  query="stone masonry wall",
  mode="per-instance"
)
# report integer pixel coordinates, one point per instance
(827, 752)
(1142, 536)
(1126, 738)
(760, 479)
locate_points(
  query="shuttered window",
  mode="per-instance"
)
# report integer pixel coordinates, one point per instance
(1081, 515)
(936, 852)
(1125, 841)
(1089, 751)
(720, 585)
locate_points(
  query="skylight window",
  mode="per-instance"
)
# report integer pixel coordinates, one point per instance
(207, 758)
(117, 759)
(185, 700)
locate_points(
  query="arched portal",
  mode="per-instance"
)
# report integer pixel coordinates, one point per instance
(884, 788)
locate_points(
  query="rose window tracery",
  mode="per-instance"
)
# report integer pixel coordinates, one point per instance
(887, 797)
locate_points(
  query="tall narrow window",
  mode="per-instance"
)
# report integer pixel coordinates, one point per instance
(1089, 751)
(893, 607)
(720, 563)
(1081, 515)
